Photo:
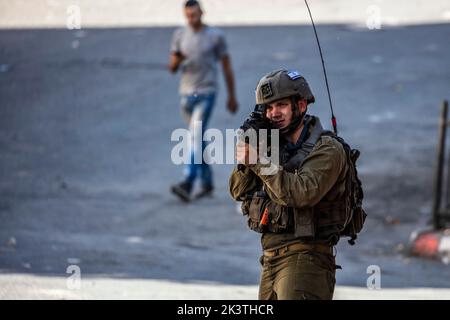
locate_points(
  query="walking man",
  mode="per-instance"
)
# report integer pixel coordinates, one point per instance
(196, 49)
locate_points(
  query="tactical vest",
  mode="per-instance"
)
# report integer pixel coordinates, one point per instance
(327, 220)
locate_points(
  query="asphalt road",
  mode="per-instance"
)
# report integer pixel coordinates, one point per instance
(85, 124)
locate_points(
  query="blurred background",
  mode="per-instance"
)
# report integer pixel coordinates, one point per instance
(87, 108)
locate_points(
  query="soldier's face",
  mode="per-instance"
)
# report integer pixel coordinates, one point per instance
(280, 113)
(193, 16)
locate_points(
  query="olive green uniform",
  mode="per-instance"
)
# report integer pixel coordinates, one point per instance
(304, 273)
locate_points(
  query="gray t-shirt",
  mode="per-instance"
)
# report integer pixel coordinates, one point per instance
(202, 50)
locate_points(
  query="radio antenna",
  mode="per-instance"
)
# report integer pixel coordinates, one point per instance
(333, 118)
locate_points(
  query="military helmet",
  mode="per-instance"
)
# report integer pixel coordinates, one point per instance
(281, 84)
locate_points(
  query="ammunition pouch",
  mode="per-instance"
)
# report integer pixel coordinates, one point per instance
(279, 219)
(322, 221)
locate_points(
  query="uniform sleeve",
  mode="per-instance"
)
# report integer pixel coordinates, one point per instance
(242, 183)
(221, 46)
(319, 172)
(175, 42)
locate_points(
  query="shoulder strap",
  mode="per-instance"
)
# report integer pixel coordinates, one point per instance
(307, 146)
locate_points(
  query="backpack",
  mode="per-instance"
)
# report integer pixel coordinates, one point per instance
(354, 191)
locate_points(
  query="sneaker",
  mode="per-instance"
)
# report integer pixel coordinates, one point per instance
(204, 192)
(182, 190)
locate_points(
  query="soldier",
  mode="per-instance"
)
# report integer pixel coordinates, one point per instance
(196, 49)
(302, 207)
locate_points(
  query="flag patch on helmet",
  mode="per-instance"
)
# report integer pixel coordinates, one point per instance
(294, 75)
(266, 90)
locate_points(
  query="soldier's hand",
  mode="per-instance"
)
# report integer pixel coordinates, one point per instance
(232, 104)
(246, 154)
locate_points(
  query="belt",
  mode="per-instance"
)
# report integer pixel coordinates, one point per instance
(317, 247)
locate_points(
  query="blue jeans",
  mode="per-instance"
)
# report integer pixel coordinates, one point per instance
(198, 107)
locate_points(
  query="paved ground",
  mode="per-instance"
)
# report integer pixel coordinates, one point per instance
(19, 286)
(85, 124)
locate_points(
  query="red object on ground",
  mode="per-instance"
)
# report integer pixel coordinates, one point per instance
(426, 244)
